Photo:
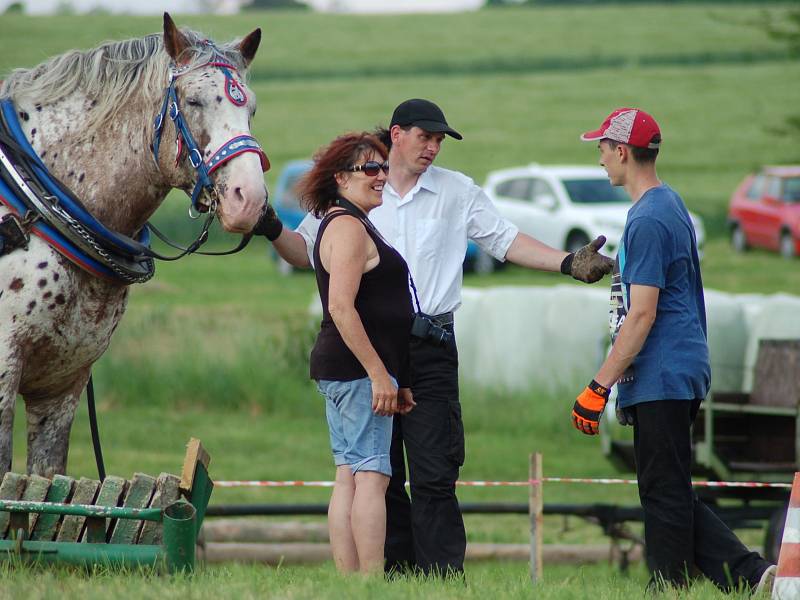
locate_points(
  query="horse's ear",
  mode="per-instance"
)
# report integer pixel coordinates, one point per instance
(249, 45)
(174, 41)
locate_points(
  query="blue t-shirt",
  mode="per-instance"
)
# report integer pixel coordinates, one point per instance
(659, 249)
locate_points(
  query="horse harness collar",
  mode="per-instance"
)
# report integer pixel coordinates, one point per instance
(40, 204)
(183, 136)
(43, 205)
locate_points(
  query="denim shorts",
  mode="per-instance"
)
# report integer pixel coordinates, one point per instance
(359, 437)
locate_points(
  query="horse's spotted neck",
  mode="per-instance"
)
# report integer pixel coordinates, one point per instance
(111, 170)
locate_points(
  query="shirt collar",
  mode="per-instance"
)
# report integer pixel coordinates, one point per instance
(426, 181)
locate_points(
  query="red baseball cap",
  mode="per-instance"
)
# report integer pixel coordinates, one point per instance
(629, 126)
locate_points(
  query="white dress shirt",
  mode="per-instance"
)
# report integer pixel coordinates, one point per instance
(430, 227)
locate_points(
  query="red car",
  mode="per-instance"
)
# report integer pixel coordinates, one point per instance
(765, 211)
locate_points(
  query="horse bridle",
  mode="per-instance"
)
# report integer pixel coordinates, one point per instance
(183, 136)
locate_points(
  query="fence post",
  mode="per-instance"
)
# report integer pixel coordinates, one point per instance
(535, 505)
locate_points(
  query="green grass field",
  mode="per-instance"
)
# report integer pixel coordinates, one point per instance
(498, 580)
(216, 348)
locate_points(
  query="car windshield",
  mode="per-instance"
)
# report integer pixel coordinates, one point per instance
(594, 191)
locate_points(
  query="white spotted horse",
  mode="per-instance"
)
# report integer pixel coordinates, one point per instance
(83, 168)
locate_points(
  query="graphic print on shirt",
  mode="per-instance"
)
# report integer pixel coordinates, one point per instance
(620, 301)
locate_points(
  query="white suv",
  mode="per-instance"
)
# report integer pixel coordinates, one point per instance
(565, 206)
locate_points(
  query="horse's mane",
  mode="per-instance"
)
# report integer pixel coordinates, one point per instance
(110, 75)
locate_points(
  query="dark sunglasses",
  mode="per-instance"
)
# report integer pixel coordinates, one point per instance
(371, 168)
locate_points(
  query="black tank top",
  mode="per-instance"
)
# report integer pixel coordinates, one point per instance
(383, 303)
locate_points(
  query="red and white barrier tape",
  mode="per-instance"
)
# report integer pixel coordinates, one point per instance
(602, 481)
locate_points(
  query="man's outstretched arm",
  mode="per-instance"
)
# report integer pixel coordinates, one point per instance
(586, 265)
(530, 252)
(291, 246)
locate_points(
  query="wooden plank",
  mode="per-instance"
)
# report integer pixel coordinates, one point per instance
(195, 453)
(72, 526)
(201, 494)
(111, 491)
(140, 491)
(12, 488)
(167, 492)
(46, 526)
(776, 381)
(35, 491)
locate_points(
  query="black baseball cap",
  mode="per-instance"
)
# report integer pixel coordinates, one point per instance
(425, 115)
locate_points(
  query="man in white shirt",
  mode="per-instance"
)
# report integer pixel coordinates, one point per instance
(429, 214)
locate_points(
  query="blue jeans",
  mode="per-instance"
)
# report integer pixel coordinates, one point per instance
(359, 437)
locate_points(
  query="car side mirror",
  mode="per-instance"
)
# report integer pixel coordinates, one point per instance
(547, 202)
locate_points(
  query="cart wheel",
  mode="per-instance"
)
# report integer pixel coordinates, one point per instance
(774, 535)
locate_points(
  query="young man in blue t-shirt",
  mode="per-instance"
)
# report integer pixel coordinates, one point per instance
(659, 361)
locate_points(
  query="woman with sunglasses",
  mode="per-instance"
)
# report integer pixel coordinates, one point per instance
(360, 356)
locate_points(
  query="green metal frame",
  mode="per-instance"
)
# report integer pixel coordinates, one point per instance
(176, 553)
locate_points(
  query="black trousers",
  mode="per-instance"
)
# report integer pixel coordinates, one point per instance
(426, 533)
(681, 532)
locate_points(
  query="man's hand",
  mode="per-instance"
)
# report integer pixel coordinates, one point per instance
(405, 401)
(587, 264)
(588, 407)
(624, 415)
(268, 225)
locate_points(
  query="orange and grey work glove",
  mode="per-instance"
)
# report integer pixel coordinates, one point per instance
(588, 407)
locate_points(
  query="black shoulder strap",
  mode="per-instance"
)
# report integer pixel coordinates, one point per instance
(354, 211)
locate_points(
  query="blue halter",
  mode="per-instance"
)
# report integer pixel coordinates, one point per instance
(233, 147)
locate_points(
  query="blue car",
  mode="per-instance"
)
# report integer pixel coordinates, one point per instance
(286, 204)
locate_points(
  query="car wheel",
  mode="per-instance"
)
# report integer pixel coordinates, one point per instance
(787, 245)
(576, 240)
(483, 263)
(738, 239)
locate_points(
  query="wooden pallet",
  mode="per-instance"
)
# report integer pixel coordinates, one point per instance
(141, 491)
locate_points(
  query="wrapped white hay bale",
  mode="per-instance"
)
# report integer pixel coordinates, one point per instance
(727, 339)
(776, 317)
(554, 338)
(518, 338)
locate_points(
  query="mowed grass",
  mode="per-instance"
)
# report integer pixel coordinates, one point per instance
(216, 348)
(498, 580)
(308, 45)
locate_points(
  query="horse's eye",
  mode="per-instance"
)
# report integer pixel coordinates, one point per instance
(193, 102)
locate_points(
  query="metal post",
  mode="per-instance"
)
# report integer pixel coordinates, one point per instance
(180, 536)
(81, 510)
(535, 507)
(112, 555)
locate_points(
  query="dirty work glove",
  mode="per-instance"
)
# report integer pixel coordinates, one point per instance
(268, 225)
(588, 407)
(587, 264)
(624, 415)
